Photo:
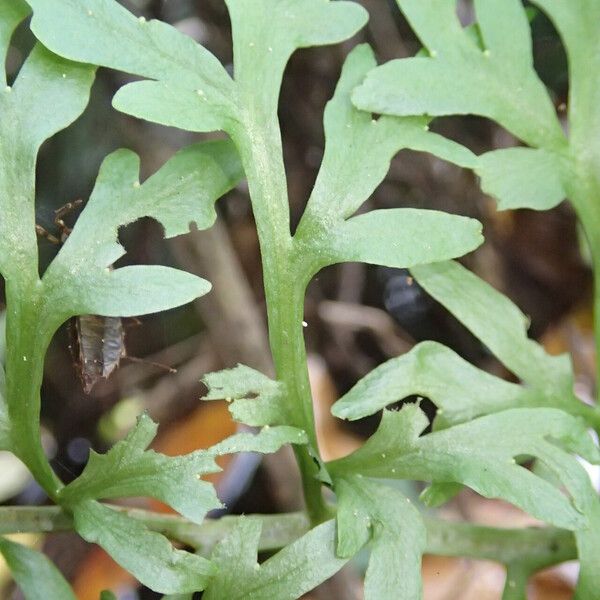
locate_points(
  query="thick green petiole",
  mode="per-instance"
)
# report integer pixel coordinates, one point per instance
(531, 548)
(29, 335)
(285, 284)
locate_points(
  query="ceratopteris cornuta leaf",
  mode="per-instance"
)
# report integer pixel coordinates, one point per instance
(486, 429)
(130, 469)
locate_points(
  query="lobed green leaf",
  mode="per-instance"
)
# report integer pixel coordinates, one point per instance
(548, 380)
(181, 194)
(287, 575)
(357, 158)
(129, 469)
(37, 577)
(460, 391)
(481, 454)
(261, 46)
(192, 89)
(102, 32)
(359, 149)
(367, 509)
(149, 556)
(487, 69)
(255, 398)
(471, 300)
(458, 77)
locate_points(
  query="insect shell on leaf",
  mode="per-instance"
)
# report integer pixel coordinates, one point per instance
(98, 347)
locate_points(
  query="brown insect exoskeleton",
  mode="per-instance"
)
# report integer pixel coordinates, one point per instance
(98, 343)
(98, 346)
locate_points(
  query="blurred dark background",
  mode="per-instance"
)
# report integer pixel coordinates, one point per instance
(357, 315)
